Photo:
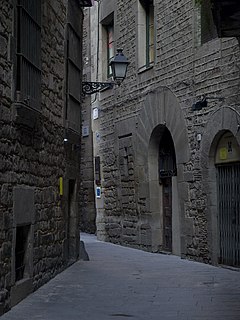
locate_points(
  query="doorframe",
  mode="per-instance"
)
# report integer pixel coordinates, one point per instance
(222, 120)
(161, 107)
(156, 197)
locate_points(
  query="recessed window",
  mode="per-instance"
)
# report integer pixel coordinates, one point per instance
(108, 45)
(146, 41)
(28, 72)
(205, 29)
(21, 252)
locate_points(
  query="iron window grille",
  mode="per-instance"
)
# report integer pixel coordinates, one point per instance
(28, 79)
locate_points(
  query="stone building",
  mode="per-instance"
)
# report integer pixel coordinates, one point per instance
(166, 141)
(40, 112)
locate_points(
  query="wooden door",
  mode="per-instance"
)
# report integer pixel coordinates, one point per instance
(167, 214)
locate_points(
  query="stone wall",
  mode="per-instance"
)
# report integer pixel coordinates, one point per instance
(188, 70)
(32, 159)
(87, 205)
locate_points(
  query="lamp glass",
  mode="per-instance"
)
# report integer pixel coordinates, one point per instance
(119, 66)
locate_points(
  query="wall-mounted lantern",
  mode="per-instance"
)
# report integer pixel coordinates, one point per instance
(86, 3)
(203, 103)
(119, 69)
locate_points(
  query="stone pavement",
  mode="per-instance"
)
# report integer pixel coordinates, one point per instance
(120, 283)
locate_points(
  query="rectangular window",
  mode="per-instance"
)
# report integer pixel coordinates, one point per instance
(73, 79)
(110, 46)
(146, 34)
(28, 77)
(97, 167)
(73, 67)
(205, 27)
(21, 254)
(149, 35)
(107, 45)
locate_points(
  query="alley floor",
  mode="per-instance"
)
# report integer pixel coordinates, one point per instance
(120, 283)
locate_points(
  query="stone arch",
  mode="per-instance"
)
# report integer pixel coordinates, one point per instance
(223, 120)
(161, 110)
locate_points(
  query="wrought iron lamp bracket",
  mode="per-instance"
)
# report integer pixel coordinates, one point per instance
(94, 87)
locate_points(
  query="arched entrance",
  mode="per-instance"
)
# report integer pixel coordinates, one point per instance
(227, 162)
(167, 169)
(215, 157)
(161, 118)
(164, 202)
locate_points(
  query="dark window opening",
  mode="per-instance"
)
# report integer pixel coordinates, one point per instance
(28, 77)
(73, 78)
(167, 158)
(97, 171)
(22, 233)
(110, 46)
(208, 28)
(146, 34)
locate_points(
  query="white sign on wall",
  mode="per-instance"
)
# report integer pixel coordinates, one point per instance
(98, 192)
(85, 131)
(95, 113)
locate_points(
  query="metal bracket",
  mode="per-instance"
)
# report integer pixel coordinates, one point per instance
(203, 103)
(93, 87)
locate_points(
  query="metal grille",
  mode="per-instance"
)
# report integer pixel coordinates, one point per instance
(29, 52)
(228, 181)
(73, 79)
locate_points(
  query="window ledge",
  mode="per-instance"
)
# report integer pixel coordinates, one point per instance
(23, 114)
(144, 69)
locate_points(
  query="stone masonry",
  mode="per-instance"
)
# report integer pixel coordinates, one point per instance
(32, 159)
(133, 115)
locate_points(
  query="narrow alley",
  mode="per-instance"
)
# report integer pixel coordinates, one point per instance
(119, 283)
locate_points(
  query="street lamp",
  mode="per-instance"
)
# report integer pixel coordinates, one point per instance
(119, 66)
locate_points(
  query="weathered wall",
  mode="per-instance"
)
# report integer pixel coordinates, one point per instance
(87, 208)
(32, 159)
(187, 70)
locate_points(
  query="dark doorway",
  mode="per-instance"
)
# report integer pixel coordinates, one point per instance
(167, 169)
(21, 254)
(71, 234)
(167, 214)
(228, 184)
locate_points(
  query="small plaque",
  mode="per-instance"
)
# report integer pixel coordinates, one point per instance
(85, 131)
(95, 113)
(223, 153)
(98, 192)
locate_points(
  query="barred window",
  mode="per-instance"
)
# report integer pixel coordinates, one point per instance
(28, 80)
(74, 67)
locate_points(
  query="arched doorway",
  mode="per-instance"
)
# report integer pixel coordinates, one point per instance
(167, 169)
(164, 201)
(223, 121)
(227, 162)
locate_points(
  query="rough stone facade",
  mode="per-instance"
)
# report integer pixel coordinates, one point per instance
(34, 213)
(87, 208)
(132, 117)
